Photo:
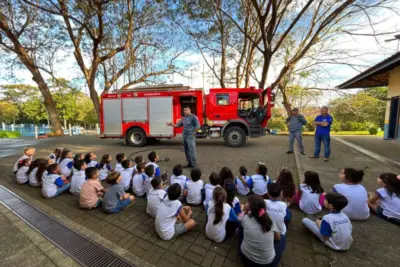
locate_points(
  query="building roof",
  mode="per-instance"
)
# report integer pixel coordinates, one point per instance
(377, 75)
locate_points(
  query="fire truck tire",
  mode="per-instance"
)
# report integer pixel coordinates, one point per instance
(234, 136)
(136, 137)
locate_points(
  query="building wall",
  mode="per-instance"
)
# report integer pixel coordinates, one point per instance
(394, 90)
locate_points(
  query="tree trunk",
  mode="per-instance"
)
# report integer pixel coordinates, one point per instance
(95, 97)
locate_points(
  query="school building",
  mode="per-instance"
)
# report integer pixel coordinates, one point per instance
(385, 73)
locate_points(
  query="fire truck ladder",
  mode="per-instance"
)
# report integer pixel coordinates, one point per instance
(162, 88)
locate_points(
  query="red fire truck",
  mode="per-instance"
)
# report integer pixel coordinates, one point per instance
(139, 115)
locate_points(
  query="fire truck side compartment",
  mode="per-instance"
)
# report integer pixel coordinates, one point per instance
(160, 112)
(134, 109)
(112, 117)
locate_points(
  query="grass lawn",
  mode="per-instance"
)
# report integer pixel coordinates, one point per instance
(9, 134)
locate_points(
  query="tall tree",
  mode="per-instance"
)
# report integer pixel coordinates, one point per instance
(113, 38)
(25, 34)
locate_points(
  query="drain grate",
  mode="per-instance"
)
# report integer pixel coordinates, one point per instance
(78, 247)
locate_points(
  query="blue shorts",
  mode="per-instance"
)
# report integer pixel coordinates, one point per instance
(379, 214)
(120, 205)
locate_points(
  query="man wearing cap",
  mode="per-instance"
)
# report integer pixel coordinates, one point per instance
(295, 124)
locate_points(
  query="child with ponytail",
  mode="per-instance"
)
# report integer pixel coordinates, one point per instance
(241, 182)
(220, 217)
(231, 199)
(357, 197)
(257, 234)
(259, 181)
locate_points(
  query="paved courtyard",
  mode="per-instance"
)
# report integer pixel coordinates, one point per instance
(375, 242)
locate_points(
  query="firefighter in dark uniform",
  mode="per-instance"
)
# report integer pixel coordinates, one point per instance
(190, 125)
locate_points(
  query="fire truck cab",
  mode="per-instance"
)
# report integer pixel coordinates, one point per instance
(140, 114)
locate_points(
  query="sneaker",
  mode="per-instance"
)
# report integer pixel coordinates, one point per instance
(314, 157)
(289, 152)
(188, 166)
(326, 159)
(303, 153)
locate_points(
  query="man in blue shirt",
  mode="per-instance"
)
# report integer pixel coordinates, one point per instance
(190, 125)
(323, 124)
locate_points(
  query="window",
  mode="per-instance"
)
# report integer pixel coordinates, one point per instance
(222, 99)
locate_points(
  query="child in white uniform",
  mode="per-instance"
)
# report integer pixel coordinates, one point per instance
(153, 158)
(78, 178)
(155, 197)
(22, 171)
(218, 215)
(54, 183)
(231, 199)
(119, 158)
(66, 163)
(389, 196)
(241, 182)
(149, 171)
(169, 211)
(90, 159)
(37, 175)
(209, 187)
(310, 195)
(28, 153)
(105, 166)
(356, 195)
(194, 187)
(335, 228)
(177, 176)
(138, 187)
(127, 174)
(259, 181)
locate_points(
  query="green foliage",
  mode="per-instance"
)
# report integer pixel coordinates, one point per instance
(33, 110)
(8, 112)
(9, 134)
(373, 130)
(277, 121)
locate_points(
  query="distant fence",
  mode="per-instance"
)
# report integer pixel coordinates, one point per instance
(32, 130)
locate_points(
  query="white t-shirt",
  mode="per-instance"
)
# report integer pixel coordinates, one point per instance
(118, 167)
(181, 179)
(309, 202)
(236, 205)
(208, 190)
(154, 200)
(217, 232)
(357, 197)
(389, 204)
(194, 192)
(126, 178)
(15, 167)
(339, 226)
(277, 212)
(157, 171)
(66, 166)
(138, 186)
(77, 180)
(93, 163)
(49, 188)
(103, 172)
(240, 187)
(166, 218)
(32, 177)
(259, 184)
(147, 184)
(22, 176)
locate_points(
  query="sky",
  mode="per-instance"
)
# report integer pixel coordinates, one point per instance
(199, 76)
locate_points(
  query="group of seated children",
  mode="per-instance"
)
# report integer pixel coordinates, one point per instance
(267, 205)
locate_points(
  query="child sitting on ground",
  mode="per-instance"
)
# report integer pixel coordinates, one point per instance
(221, 218)
(241, 182)
(231, 199)
(28, 153)
(90, 159)
(177, 176)
(55, 155)
(127, 174)
(33, 167)
(169, 212)
(278, 211)
(120, 157)
(389, 197)
(194, 187)
(209, 187)
(285, 180)
(54, 183)
(138, 187)
(155, 197)
(259, 181)
(224, 174)
(149, 171)
(105, 166)
(37, 175)
(78, 178)
(310, 196)
(335, 228)
(357, 208)
(153, 158)
(77, 157)
(22, 171)
(138, 159)
(92, 191)
(115, 198)
(66, 163)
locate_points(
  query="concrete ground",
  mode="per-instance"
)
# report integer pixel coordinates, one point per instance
(375, 241)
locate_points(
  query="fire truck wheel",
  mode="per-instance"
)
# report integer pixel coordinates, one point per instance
(136, 137)
(235, 136)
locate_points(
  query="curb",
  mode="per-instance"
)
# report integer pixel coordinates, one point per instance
(369, 153)
(299, 163)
